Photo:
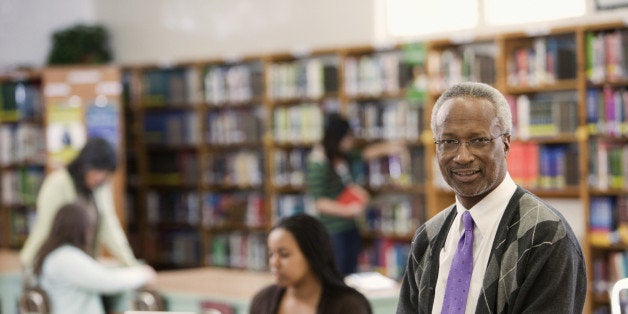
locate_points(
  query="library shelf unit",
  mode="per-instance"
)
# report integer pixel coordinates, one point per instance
(381, 95)
(570, 138)
(604, 92)
(22, 153)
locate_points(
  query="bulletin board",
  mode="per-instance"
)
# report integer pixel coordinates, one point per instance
(82, 102)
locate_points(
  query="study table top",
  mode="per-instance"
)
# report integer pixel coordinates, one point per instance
(216, 282)
(9, 261)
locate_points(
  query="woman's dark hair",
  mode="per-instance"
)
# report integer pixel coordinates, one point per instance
(315, 244)
(336, 128)
(96, 154)
(71, 226)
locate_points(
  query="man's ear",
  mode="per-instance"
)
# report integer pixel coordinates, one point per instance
(506, 141)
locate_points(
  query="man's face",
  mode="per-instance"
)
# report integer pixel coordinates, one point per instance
(472, 170)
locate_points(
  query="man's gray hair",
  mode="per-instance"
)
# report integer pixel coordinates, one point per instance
(477, 90)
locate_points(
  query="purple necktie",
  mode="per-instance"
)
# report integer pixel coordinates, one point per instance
(459, 278)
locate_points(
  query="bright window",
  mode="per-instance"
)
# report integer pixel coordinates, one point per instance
(421, 17)
(504, 12)
(418, 17)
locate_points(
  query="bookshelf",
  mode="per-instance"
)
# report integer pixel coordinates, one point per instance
(234, 206)
(164, 194)
(300, 89)
(22, 157)
(605, 108)
(385, 101)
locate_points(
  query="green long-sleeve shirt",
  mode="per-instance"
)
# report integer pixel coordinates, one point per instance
(322, 181)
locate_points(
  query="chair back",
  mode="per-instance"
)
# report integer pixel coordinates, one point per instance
(148, 300)
(615, 295)
(34, 300)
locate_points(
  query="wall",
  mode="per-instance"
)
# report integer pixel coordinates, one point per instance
(161, 31)
(26, 27)
(173, 30)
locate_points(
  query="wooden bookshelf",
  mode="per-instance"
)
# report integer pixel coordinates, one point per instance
(22, 161)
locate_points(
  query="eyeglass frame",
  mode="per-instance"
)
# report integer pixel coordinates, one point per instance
(484, 141)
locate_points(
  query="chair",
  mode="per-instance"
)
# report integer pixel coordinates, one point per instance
(148, 300)
(34, 300)
(615, 293)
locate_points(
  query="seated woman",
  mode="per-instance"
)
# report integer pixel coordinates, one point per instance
(307, 279)
(66, 270)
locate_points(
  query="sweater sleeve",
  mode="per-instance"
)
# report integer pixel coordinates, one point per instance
(111, 234)
(555, 280)
(409, 293)
(70, 265)
(56, 190)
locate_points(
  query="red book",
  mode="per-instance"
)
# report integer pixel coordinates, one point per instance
(351, 194)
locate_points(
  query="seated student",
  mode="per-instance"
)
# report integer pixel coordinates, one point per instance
(66, 270)
(307, 279)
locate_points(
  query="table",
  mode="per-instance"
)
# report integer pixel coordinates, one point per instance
(185, 290)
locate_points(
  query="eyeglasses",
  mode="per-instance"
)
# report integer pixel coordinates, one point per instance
(475, 144)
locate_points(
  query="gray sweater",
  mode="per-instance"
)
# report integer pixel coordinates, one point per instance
(536, 264)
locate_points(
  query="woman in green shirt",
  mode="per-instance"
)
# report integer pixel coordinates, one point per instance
(334, 165)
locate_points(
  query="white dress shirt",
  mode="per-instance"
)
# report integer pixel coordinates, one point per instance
(486, 215)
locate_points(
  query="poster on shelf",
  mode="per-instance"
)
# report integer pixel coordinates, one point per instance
(65, 132)
(101, 120)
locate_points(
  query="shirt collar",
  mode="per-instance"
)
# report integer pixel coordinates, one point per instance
(488, 211)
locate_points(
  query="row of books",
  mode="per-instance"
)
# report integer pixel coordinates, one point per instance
(20, 224)
(608, 219)
(236, 208)
(607, 111)
(385, 256)
(544, 114)
(543, 166)
(289, 167)
(469, 63)
(392, 170)
(171, 127)
(21, 143)
(242, 168)
(544, 61)
(177, 207)
(174, 247)
(298, 124)
(229, 84)
(288, 204)
(608, 269)
(387, 119)
(21, 185)
(607, 56)
(394, 214)
(20, 101)
(169, 87)
(304, 78)
(608, 165)
(173, 168)
(235, 126)
(238, 250)
(374, 74)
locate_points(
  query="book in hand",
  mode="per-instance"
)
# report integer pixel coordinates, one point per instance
(352, 194)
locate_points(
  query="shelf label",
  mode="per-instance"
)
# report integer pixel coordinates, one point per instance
(111, 88)
(537, 31)
(84, 77)
(57, 90)
(461, 39)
